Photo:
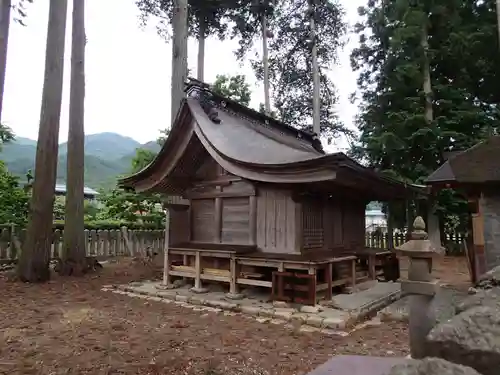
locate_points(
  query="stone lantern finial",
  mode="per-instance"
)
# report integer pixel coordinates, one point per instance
(419, 232)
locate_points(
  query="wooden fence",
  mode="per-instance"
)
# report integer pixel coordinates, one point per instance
(454, 243)
(99, 243)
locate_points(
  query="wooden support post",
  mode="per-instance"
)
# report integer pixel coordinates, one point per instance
(166, 259)
(329, 276)
(234, 272)
(197, 281)
(371, 266)
(353, 273)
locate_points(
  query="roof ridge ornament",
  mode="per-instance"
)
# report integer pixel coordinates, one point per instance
(201, 91)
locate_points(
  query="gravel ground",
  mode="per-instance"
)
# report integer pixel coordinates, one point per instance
(69, 326)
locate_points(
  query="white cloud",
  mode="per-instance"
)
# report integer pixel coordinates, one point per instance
(127, 72)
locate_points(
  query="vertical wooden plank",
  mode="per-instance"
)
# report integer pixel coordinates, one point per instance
(280, 228)
(218, 219)
(261, 218)
(86, 241)
(252, 217)
(118, 243)
(271, 219)
(299, 227)
(93, 243)
(105, 242)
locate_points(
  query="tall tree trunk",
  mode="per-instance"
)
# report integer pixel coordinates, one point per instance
(265, 62)
(315, 69)
(426, 73)
(5, 6)
(73, 256)
(179, 54)
(498, 21)
(201, 48)
(34, 260)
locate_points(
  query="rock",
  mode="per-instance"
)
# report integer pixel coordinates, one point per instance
(472, 290)
(470, 339)
(431, 366)
(483, 297)
(281, 304)
(311, 309)
(490, 279)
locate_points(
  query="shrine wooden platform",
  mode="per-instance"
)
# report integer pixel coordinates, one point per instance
(357, 365)
(302, 278)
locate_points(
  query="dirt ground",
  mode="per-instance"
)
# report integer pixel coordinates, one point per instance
(69, 326)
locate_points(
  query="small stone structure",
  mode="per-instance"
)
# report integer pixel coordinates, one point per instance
(419, 285)
(469, 342)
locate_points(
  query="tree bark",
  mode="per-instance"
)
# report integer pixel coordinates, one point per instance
(73, 254)
(179, 54)
(498, 21)
(35, 257)
(315, 70)
(265, 63)
(201, 48)
(426, 72)
(5, 6)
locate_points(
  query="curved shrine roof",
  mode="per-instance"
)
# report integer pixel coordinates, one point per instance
(250, 145)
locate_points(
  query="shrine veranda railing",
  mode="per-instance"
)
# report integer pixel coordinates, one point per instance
(98, 243)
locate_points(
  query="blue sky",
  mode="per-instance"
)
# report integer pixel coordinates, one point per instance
(127, 72)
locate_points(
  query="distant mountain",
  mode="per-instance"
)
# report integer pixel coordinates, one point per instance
(107, 156)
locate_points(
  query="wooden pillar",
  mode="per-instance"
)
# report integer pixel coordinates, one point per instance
(371, 266)
(329, 280)
(233, 276)
(353, 272)
(197, 281)
(166, 259)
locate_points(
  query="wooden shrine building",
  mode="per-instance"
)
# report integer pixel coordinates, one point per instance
(475, 172)
(267, 207)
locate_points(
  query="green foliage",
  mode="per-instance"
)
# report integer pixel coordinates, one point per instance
(14, 200)
(208, 16)
(141, 159)
(235, 88)
(290, 55)
(394, 134)
(111, 224)
(132, 207)
(6, 135)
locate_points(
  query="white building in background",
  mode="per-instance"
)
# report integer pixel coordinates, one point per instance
(375, 219)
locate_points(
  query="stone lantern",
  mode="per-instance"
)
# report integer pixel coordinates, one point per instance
(421, 286)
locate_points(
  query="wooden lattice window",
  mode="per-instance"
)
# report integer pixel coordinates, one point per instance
(312, 225)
